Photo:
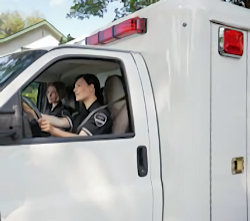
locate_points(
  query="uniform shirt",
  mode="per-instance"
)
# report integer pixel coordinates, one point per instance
(59, 111)
(99, 123)
(79, 118)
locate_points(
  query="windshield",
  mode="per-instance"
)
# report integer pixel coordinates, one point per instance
(13, 64)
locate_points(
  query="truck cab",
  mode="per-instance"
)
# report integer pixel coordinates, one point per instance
(98, 177)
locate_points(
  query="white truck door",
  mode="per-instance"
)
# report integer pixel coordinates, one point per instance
(228, 133)
(248, 121)
(81, 179)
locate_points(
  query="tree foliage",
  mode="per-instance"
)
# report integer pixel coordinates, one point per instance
(12, 22)
(64, 40)
(83, 9)
(244, 3)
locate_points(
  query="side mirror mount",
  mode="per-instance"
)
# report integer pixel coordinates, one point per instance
(6, 128)
(11, 120)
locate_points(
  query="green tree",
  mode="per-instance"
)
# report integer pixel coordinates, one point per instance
(243, 3)
(12, 22)
(64, 40)
(34, 18)
(85, 8)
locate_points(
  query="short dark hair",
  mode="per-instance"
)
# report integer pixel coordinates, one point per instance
(92, 79)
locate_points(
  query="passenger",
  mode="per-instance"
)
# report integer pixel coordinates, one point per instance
(91, 121)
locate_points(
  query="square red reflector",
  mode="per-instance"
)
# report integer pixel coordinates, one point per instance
(231, 42)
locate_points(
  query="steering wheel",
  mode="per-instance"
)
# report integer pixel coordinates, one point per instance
(32, 106)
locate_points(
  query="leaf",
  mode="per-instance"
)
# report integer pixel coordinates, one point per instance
(83, 9)
(12, 22)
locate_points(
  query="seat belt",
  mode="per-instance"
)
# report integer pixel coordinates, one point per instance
(79, 128)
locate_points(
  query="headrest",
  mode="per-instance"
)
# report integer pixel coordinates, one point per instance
(69, 99)
(113, 89)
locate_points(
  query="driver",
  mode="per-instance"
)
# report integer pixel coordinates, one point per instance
(55, 113)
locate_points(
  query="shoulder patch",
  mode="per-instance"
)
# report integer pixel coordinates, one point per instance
(100, 119)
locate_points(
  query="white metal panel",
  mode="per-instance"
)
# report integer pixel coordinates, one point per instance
(248, 122)
(228, 132)
(155, 159)
(83, 180)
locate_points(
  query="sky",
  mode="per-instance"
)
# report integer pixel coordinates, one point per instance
(55, 11)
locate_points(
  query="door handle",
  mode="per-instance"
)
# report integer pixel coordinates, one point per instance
(237, 165)
(142, 161)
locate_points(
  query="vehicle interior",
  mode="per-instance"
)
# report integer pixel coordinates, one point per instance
(112, 81)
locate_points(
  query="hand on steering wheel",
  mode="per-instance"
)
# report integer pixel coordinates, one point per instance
(30, 107)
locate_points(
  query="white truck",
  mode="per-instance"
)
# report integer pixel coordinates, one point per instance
(179, 148)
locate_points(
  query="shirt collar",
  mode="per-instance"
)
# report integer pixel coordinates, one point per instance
(57, 106)
(93, 106)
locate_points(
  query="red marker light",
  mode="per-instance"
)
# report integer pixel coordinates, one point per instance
(106, 36)
(130, 26)
(231, 42)
(92, 40)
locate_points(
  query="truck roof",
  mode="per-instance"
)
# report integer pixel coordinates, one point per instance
(88, 47)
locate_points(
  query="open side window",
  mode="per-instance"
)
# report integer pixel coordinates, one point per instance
(114, 89)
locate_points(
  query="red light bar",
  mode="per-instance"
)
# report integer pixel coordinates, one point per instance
(231, 42)
(92, 40)
(128, 27)
(106, 36)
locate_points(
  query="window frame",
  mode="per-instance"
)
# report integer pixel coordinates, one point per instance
(51, 139)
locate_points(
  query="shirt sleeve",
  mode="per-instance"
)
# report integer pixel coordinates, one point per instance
(65, 113)
(99, 123)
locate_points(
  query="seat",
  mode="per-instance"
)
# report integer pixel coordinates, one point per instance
(113, 91)
(68, 100)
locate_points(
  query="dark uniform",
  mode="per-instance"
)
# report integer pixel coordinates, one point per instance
(59, 111)
(99, 123)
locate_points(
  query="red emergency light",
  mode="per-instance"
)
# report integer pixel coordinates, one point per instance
(123, 29)
(231, 42)
(92, 40)
(106, 36)
(129, 27)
